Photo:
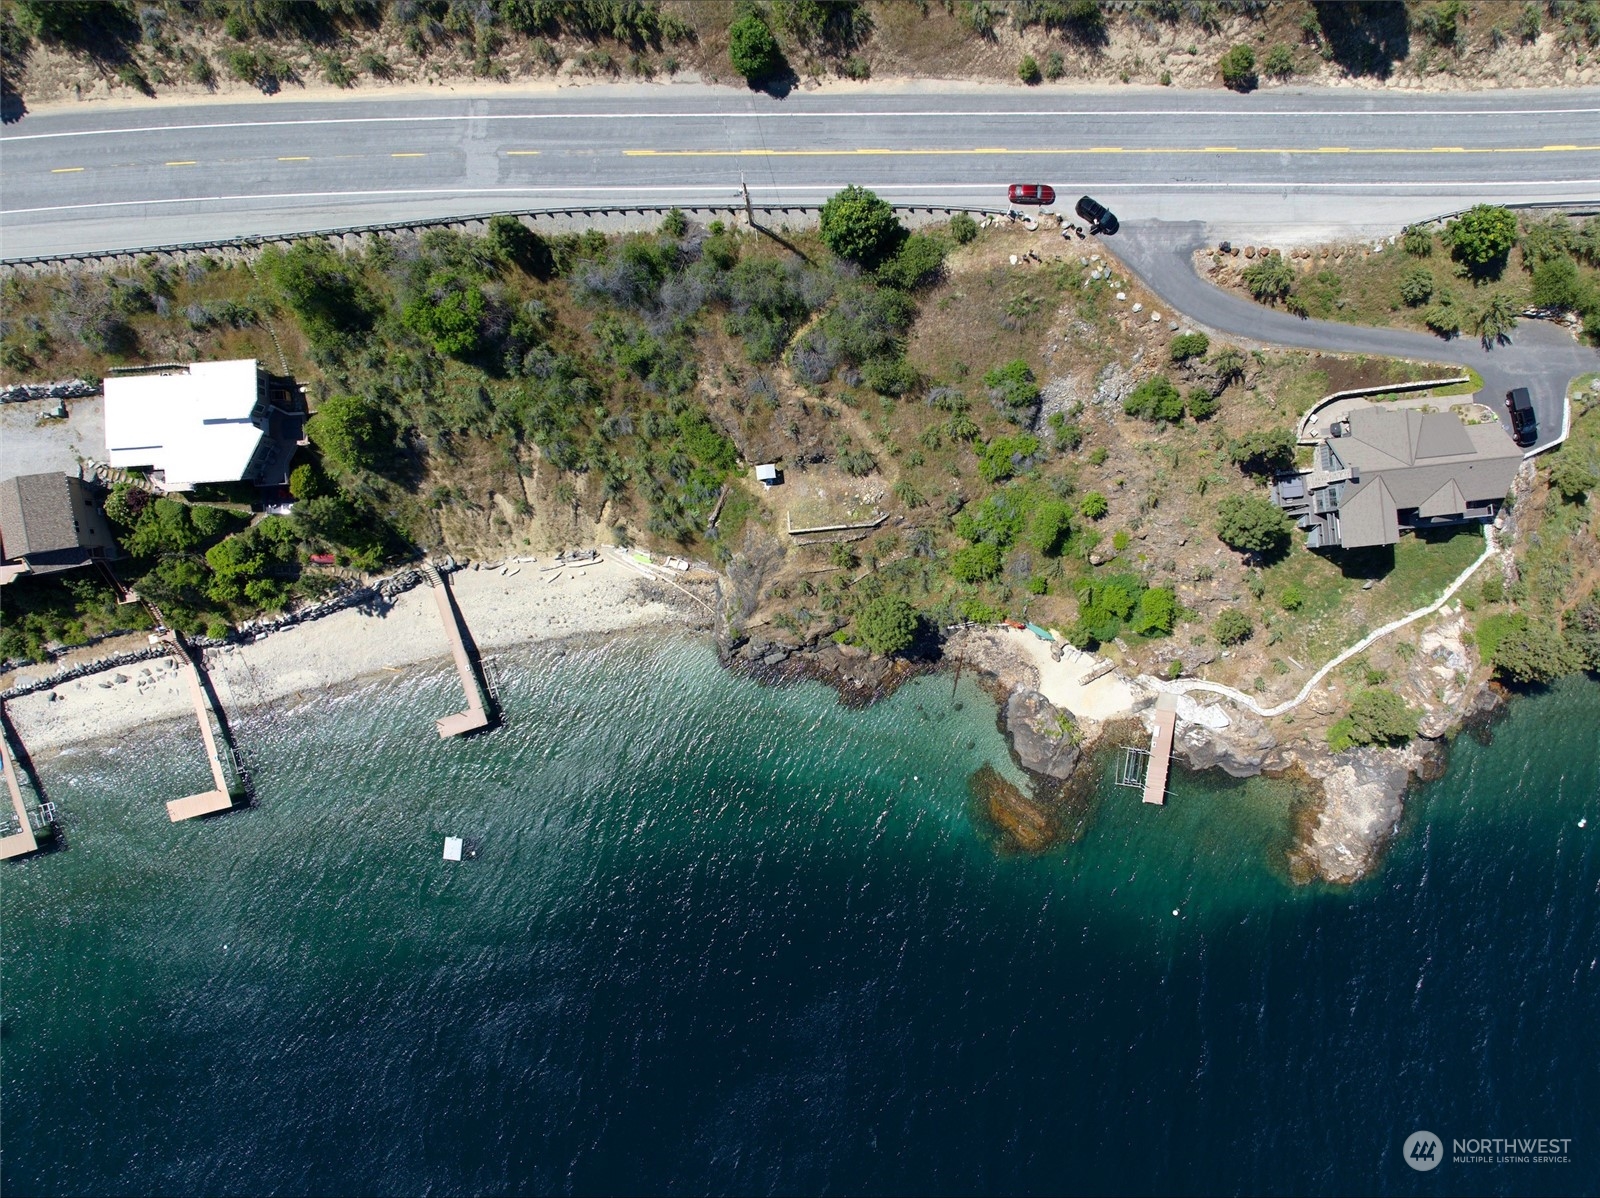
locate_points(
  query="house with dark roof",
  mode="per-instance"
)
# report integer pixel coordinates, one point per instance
(50, 522)
(207, 422)
(1382, 471)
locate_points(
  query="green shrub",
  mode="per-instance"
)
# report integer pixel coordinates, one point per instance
(1279, 63)
(1238, 67)
(1004, 456)
(1572, 472)
(326, 294)
(1252, 524)
(1050, 526)
(1482, 236)
(1269, 279)
(1263, 451)
(918, 262)
(1417, 241)
(1376, 717)
(1444, 315)
(1416, 286)
(1154, 399)
(1189, 345)
(675, 223)
(1054, 65)
(1293, 597)
(1232, 627)
(1014, 384)
(1028, 70)
(1201, 404)
(887, 625)
(1157, 613)
(447, 313)
(975, 563)
(351, 433)
(1556, 284)
(752, 49)
(963, 228)
(1093, 505)
(859, 226)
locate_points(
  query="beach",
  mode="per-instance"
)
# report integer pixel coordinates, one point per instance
(501, 610)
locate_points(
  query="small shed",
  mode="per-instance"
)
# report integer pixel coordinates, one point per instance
(768, 475)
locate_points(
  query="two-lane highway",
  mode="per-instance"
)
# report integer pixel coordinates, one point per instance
(82, 179)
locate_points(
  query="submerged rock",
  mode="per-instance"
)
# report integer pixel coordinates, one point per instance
(1022, 822)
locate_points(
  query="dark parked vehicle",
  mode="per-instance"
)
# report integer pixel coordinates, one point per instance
(1524, 424)
(1101, 219)
(1032, 193)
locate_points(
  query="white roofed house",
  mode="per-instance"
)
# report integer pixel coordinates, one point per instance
(208, 422)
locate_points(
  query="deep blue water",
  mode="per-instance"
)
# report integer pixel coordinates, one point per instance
(728, 938)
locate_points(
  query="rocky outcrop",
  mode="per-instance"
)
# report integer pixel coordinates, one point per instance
(858, 676)
(1342, 833)
(1044, 738)
(1241, 750)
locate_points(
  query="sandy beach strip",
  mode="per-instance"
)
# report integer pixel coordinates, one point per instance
(501, 610)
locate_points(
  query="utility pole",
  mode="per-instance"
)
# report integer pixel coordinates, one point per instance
(749, 213)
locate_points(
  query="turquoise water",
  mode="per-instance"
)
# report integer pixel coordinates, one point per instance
(733, 938)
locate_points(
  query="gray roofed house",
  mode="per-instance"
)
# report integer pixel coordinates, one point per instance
(50, 522)
(1381, 471)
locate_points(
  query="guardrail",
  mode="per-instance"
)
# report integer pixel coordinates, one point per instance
(1579, 208)
(256, 240)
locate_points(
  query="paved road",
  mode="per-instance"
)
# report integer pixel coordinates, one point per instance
(84, 178)
(1540, 356)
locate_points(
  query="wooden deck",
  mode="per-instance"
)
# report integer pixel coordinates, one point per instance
(476, 715)
(1155, 778)
(219, 799)
(18, 844)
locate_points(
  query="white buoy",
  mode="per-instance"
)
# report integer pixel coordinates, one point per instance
(1583, 823)
(1174, 910)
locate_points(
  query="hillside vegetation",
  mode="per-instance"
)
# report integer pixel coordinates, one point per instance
(1022, 442)
(70, 49)
(1472, 276)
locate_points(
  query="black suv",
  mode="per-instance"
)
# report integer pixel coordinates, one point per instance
(1100, 218)
(1524, 424)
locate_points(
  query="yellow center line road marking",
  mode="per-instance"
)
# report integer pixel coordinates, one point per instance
(190, 162)
(295, 158)
(407, 155)
(521, 153)
(65, 170)
(1079, 151)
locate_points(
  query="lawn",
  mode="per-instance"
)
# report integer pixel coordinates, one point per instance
(1337, 611)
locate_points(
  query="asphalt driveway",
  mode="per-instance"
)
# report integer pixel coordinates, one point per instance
(1540, 356)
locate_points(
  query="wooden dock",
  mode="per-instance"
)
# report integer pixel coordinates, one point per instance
(220, 798)
(476, 715)
(1155, 778)
(18, 844)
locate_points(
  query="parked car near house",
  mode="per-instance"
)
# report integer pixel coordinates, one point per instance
(1524, 424)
